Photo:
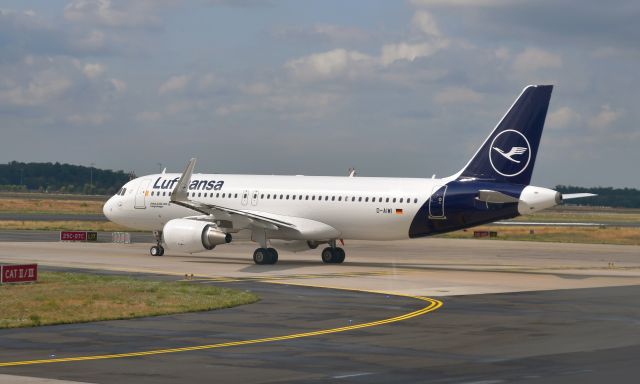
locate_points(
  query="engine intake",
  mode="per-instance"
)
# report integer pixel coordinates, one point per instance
(193, 236)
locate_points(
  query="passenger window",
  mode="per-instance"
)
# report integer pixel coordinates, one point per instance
(387, 200)
(366, 200)
(306, 197)
(244, 196)
(262, 196)
(163, 193)
(401, 199)
(333, 198)
(340, 198)
(236, 195)
(326, 198)
(353, 198)
(313, 197)
(218, 194)
(223, 195)
(199, 194)
(394, 199)
(293, 197)
(359, 198)
(287, 197)
(415, 201)
(300, 197)
(268, 196)
(281, 196)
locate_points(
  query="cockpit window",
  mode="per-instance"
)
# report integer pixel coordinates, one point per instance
(124, 190)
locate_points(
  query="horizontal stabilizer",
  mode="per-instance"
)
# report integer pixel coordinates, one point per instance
(489, 196)
(568, 196)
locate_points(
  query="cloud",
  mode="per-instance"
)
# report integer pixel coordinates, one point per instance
(88, 119)
(406, 51)
(118, 85)
(139, 13)
(41, 87)
(93, 71)
(329, 64)
(174, 84)
(459, 3)
(457, 95)
(349, 63)
(562, 117)
(321, 33)
(605, 117)
(533, 59)
(425, 23)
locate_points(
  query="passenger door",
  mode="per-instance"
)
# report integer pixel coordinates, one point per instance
(436, 202)
(141, 194)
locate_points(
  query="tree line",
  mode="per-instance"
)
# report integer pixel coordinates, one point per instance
(68, 178)
(607, 196)
(60, 178)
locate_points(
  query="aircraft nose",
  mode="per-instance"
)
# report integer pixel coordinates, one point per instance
(107, 208)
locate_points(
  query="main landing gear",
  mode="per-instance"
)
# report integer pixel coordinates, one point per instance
(333, 255)
(157, 250)
(265, 256)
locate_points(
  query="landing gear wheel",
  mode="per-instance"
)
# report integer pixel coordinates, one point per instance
(333, 255)
(156, 250)
(273, 254)
(262, 256)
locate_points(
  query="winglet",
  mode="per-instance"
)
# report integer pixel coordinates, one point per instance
(180, 192)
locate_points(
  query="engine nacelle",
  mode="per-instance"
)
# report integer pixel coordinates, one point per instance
(533, 199)
(193, 236)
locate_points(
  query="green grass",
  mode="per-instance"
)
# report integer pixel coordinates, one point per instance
(61, 298)
(62, 225)
(587, 235)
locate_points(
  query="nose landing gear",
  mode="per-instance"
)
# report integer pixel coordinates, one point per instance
(157, 250)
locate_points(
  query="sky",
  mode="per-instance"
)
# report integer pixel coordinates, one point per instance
(392, 88)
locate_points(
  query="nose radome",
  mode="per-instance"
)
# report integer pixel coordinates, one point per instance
(106, 208)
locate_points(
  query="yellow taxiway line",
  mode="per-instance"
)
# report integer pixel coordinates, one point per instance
(432, 305)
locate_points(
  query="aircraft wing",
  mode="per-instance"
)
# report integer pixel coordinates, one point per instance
(248, 219)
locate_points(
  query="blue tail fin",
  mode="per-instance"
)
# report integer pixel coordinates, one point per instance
(509, 153)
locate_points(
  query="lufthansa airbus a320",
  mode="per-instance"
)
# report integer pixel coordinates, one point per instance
(193, 212)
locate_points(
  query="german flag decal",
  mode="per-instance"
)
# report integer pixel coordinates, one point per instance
(399, 211)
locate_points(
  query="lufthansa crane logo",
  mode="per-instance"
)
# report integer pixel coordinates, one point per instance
(509, 153)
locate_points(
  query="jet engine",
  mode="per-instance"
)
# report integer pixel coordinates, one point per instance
(193, 236)
(533, 199)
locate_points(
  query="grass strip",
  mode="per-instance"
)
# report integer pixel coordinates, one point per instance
(64, 298)
(63, 225)
(51, 206)
(588, 235)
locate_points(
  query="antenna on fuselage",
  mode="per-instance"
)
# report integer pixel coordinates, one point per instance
(352, 172)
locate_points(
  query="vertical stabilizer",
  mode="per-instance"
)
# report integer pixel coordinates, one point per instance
(509, 153)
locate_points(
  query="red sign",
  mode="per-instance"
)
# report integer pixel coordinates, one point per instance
(73, 236)
(18, 273)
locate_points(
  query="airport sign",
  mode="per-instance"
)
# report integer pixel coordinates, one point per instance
(18, 273)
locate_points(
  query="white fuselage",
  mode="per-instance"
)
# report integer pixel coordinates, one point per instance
(367, 208)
